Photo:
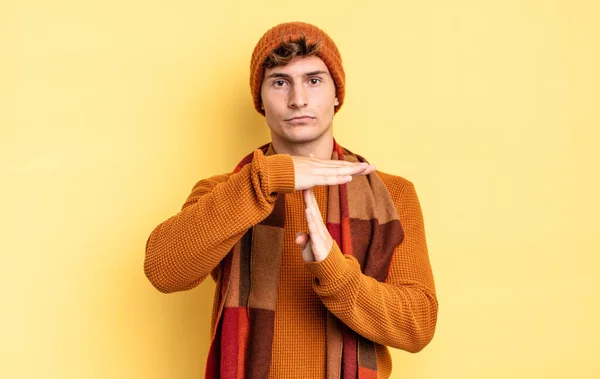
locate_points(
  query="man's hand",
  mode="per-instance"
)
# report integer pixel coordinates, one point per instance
(310, 172)
(317, 244)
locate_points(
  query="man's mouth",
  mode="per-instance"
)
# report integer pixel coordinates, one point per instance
(300, 118)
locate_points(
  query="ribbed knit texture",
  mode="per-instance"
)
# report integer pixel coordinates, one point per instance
(400, 313)
(297, 303)
(292, 31)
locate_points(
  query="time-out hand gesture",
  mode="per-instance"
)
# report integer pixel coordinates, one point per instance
(318, 242)
(310, 172)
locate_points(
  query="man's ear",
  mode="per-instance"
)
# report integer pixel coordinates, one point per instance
(337, 102)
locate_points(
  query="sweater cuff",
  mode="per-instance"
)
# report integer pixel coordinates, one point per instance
(281, 176)
(331, 269)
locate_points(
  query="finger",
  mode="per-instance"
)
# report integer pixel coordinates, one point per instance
(312, 160)
(335, 180)
(332, 170)
(331, 163)
(370, 169)
(332, 180)
(301, 239)
(317, 226)
(310, 222)
(306, 195)
(313, 215)
(321, 228)
(307, 252)
(331, 176)
(367, 169)
(312, 199)
(317, 239)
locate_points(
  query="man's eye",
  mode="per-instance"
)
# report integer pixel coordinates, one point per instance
(279, 83)
(315, 80)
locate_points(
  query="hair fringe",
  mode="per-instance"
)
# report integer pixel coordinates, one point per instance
(287, 50)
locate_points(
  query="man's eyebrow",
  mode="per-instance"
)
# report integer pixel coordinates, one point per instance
(278, 75)
(282, 75)
(313, 73)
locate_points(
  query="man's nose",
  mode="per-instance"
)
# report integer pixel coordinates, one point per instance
(298, 97)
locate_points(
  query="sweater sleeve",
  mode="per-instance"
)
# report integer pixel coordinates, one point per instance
(402, 311)
(183, 250)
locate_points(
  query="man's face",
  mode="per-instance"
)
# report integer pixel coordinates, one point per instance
(299, 101)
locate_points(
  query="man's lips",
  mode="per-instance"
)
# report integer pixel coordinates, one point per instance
(300, 118)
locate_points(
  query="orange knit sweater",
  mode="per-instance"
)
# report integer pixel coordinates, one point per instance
(401, 313)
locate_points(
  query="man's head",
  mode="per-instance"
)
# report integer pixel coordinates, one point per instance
(271, 51)
(297, 81)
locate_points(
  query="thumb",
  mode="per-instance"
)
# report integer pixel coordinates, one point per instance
(301, 239)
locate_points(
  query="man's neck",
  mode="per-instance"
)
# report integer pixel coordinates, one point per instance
(320, 148)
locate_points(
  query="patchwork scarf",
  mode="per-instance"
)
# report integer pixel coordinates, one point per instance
(362, 219)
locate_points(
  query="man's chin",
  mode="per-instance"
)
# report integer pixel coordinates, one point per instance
(301, 139)
(299, 135)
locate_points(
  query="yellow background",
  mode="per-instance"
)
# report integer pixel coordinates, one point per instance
(111, 111)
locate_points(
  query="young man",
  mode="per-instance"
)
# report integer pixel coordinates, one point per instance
(320, 261)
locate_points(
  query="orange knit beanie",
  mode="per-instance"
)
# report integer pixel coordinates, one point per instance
(293, 31)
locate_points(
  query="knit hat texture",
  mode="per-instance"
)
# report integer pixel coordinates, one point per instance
(292, 31)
